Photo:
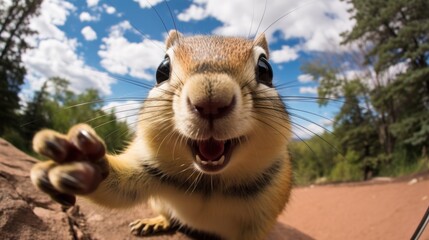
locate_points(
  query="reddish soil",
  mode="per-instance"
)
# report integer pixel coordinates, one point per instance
(360, 211)
(374, 210)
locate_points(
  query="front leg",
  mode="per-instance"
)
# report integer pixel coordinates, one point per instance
(79, 166)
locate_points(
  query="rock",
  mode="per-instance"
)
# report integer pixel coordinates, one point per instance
(24, 212)
(413, 181)
(382, 179)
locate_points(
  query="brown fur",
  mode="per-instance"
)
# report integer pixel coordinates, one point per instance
(240, 202)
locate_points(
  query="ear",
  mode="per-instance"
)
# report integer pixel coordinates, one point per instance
(261, 41)
(173, 37)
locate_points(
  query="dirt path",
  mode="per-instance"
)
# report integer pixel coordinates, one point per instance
(363, 211)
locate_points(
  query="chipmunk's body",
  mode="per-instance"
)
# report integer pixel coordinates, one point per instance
(210, 151)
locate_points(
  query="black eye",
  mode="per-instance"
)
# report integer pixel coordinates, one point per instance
(264, 72)
(163, 72)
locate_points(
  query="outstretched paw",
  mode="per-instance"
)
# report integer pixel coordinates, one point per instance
(78, 163)
(150, 226)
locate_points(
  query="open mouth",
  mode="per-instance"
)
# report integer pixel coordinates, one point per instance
(212, 155)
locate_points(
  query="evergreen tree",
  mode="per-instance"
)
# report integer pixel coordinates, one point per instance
(354, 126)
(14, 29)
(35, 116)
(58, 108)
(398, 33)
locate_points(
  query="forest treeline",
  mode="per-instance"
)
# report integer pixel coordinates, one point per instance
(56, 107)
(382, 86)
(379, 78)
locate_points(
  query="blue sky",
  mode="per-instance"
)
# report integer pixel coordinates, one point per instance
(93, 42)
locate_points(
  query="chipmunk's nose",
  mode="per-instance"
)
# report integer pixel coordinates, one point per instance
(212, 108)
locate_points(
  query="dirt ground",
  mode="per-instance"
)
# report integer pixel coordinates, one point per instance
(377, 210)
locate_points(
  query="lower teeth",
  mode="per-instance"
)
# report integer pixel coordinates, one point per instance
(213, 163)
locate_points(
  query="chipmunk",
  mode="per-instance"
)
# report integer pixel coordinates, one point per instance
(210, 153)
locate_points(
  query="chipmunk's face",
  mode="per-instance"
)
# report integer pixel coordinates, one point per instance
(220, 95)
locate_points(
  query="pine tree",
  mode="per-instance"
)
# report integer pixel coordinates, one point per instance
(14, 29)
(58, 108)
(398, 33)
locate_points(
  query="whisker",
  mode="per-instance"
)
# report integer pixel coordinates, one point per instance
(188, 178)
(318, 136)
(295, 98)
(262, 18)
(125, 104)
(172, 17)
(120, 118)
(134, 82)
(311, 113)
(287, 14)
(269, 125)
(170, 134)
(313, 122)
(292, 115)
(145, 36)
(143, 85)
(158, 15)
(108, 114)
(115, 131)
(251, 22)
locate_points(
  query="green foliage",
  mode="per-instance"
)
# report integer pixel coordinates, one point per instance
(14, 32)
(404, 162)
(56, 107)
(347, 168)
(398, 30)
(383, 123)
(314, 158)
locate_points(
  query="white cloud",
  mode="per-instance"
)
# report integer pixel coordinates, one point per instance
(148, 3)
(87, 17)
(307, 131)
(194, 12)
(109, 9)
(305, 78)
(308, 90)
(54, 54)
(88, 33)
(54, 57)
(327, 123)
(317, 23)
(53, 13)
(285, 54)
(125, 111)
(137, 59)
(92, 3)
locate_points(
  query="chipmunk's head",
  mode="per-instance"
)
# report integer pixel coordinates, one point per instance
(223, 102)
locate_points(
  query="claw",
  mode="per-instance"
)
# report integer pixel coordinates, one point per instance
(52, 145)
(85, 139)
(149, 226)
(64, 199)
(75, 178)
(78, 163)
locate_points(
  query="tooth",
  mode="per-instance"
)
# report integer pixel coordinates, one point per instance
(201, 161)
(214, 163)
(198, 158)
(221, 160)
